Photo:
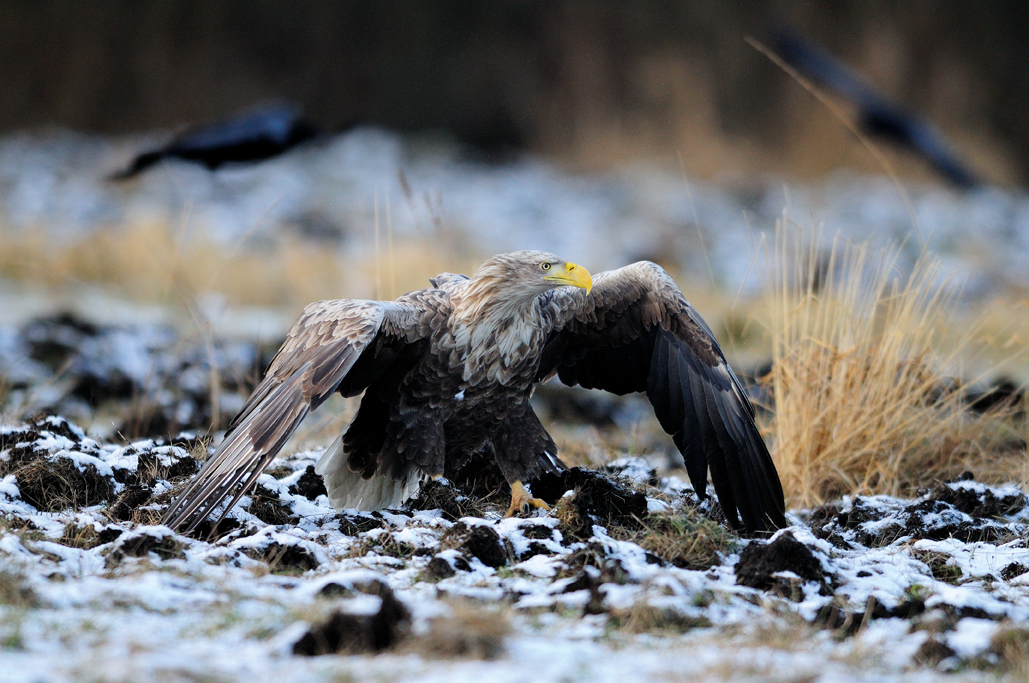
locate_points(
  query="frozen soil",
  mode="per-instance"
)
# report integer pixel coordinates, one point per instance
(139, 380)
(626, 578)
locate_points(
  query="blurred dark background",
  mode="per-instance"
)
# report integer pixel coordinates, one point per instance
(597, 82)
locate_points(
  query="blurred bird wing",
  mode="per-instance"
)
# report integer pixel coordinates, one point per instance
(272, 121)
(636, 332)
(321, 349)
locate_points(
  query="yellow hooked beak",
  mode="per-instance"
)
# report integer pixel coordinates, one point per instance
(571, 274)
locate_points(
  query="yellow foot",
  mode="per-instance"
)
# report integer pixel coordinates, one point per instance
(520, 498)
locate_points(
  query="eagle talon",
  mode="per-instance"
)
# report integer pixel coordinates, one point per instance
(521, 498)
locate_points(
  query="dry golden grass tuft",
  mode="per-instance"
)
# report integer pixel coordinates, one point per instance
(1011, 646)
(82, 537)
(158, 262)
(15, 590)
(468, 632)
(567, 514)
(56, 484)
(644, 617)
(686, 538)
(862, 381)
(147, 516)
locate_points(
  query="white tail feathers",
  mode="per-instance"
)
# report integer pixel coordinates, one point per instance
(332, 459)
(347, 490)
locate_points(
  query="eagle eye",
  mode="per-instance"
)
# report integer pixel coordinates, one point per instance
(545, 266)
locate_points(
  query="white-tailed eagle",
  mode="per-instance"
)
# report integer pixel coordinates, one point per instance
(447, 373)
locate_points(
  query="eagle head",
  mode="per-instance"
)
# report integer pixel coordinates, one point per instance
(530, 273)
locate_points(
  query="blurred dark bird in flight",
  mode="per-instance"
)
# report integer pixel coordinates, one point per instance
(877, 115)
(253, 135)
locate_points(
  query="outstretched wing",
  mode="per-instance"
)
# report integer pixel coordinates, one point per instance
(342, 344)
(636, 332)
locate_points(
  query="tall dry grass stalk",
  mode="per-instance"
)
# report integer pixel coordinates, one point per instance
(863, 390)
(151, 262)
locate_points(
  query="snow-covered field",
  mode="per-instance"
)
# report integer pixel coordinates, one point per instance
(340, 189)
(859, 589)
(864, 589)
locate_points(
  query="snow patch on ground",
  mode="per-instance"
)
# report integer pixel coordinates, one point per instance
(114, 599)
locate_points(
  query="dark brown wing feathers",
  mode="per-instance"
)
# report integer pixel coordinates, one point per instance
(329, 339)
(636, 332)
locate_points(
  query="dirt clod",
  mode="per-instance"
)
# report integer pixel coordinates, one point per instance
(441, 567)
(539, 532)
(862, 513)
(441, 495)
(479, 541)
(936, 520)
(56, 425)
(95, 388)
(285, 558)
(594, 564)
(131, 498)
(357, 633)
(109, 535)
(597, 500)
(760, 561)
(352, 525)
(25, 435)
(150, 465)
(958, 510)
(310, 485)
(1013, 570)
(206, 529)
(594, 571)
(166, 547)
(978, 501)
(267, 507)
(335, 590)
(54, 483)
(932, 652)
(847, 623)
